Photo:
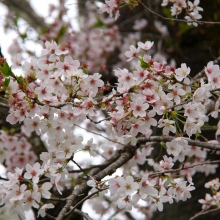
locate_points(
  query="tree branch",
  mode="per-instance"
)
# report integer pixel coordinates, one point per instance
(204, 213)
(179, 20)
(214, 147)
(183, 168)
(202, 72)
(83, 214)
(72, 199)
(4, 105)
(23, 9)
(81, 201)
(99, 135)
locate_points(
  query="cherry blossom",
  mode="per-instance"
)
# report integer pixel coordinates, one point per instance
(127, 186)
(147, 187)
(139, 107)
(167, 126)
(52, 48)
(132, 53)
(145, 46)
(166, 163)
(176, 146)
(58, 93)
(91, 147)
(42, 210)
(30, 200)
(16, 61)
(182, 72)
(125, 203)
(176, 93)
(33, 172)
(140, 24)
(44, 92)
(160, 199)
(43, 190)
(17, 193)
(207, 202)
(92, 83)
(214, 184)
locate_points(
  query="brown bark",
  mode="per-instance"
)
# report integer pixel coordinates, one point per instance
(23, 9)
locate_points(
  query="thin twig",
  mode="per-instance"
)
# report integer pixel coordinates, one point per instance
(83, 214)
(84, 199)
(204, 213)
(89, 168)
(183, 168)
(24, 10)
(4, 105)
(99, 135)
(179, 20)
(97, 122)
(198, 76)
(64, 104)
(2, 178)
(80, 168)
(50, 216)
(57, 199)
(98, 175)
(174, 106)
(214, 147)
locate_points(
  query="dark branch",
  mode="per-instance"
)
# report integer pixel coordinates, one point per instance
(23, 9)
(179, 20)
(214, 147)
(99, 174)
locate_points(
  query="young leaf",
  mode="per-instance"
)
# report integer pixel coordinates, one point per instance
(144, 65)
(20, 80)
(62, 31)
(6, 83)
(5, 69)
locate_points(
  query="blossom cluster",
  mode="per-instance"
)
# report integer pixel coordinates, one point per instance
(15, 151)
(64, 89)
(127, 192)
(192, 9)
(22, 191)
(50, 81)
(155, 88)
(211, 201)
(56, 93)
(92, 45)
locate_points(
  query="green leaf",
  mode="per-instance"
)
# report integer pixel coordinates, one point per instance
(183, 28)
(144, 65)
(99, 24)
(167, 12)
(43, 31)
(5, 69)
(103, 105)
(62, 31)
(85, 70)
(6, 83)
(20, 80)
(23, 36)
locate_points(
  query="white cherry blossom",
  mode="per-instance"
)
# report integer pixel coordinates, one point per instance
(33, 172)
(167, 126)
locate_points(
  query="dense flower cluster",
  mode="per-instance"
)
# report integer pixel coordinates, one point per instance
(57, 93)
(60, 95)
(192, 9)
(214, 200)
(15, 151)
